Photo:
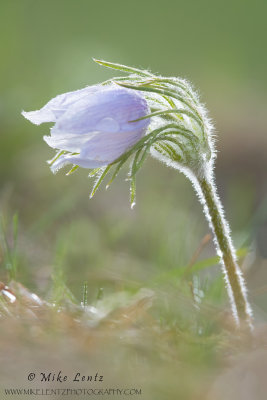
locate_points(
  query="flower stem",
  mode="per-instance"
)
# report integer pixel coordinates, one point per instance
(233, 276)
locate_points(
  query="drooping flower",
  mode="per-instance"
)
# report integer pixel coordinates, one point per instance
(102, 127)
(93, 125)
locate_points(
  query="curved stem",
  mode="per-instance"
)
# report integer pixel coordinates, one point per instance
(233, 276)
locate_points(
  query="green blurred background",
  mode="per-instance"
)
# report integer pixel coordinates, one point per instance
(46, 49)
(177, 348)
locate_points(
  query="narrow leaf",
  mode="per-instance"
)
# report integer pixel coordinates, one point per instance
(124, 68)
(94, 172)
(168, 111)
(164, 92)
(101, 176)
(59, 153)
(133, 191)
(117, 170)
(73, 169)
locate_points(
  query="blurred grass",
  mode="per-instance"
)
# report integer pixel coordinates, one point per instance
(176, 341)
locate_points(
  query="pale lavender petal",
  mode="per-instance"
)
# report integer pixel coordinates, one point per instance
(57, 106)
(39, 116)
(73, 143)
(102, 147)
(108, 147)
(66, 159)
(101, 150)
(110, 110)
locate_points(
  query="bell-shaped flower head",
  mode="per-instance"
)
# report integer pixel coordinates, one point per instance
(102, 126)
(93, 126)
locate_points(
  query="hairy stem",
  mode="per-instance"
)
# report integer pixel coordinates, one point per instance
(233, 276)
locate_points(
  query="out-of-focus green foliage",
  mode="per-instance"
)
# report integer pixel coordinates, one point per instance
(64, 239)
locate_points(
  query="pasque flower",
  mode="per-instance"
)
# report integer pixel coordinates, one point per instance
(93, 125)
(104, 126)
